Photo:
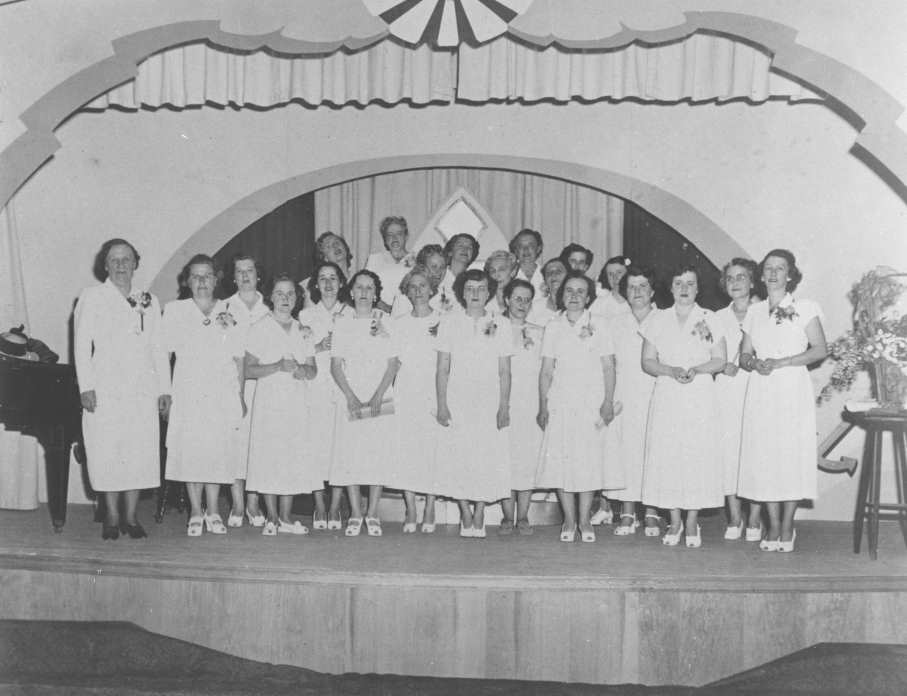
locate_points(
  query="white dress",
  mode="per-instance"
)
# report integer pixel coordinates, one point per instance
(391, 272)
(541, 314)
(365, 449)
(607, 307)
(245, 317)
(414, 393)
(119, 355)
(682, 468)
(279, 458)
(473, 456)
(572, 450)
(778, 444)
(731, 392)
(525, 433)
(625, 439)
(324, 396)
(205, 418)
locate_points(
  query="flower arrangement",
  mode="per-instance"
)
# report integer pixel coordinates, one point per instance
(139, 300)
(877, 341)
(702, 331)
(782, 314)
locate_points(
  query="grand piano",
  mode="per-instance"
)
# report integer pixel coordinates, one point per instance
(42, 399)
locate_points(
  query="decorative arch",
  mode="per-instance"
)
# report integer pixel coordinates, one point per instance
(688, 221)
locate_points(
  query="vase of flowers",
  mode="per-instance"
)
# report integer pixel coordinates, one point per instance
(877, 342)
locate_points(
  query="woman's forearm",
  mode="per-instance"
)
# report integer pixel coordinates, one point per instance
(710, 367)
(393, 366)
(654, 368)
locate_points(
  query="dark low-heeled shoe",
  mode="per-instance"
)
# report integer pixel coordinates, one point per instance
(110, 532)
(135, 531)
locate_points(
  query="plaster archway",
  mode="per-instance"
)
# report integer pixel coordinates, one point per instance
(711, 239)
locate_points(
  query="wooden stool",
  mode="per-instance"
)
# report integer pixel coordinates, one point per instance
(876, 422)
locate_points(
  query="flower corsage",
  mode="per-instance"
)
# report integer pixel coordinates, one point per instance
(588, 330)
(377, 327)
(782, 314)
(491, 328)
(307, 332)
(140, 300)
(702, 331)
(225, 320)
(433, 329)
(528, 341)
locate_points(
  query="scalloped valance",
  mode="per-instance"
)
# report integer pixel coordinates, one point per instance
(700, 68)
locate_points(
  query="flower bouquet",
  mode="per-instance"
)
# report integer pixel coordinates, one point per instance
(877, 341)
(140, 301)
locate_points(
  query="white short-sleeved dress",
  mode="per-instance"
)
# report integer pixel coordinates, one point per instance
(279, 457)
(778, 444)
(572, 449)
(525, 434)
(391, 272)
(205, 418)
(245, 317)
(414, 393)
(625, 438)
(119, 355)
(731, 392)
(324, 396)
(473, 456)
(364, 449)
(607, 307)
(682, 468)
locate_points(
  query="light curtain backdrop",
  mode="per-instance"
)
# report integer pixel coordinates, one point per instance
(561, 211)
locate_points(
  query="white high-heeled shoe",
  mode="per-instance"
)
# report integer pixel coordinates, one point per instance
(670, 539)
(694, 541)
(787, 546)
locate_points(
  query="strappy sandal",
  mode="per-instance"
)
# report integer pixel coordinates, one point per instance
(335, 523)
(319, 521)
(214, 524)
(295, 527)
(234, 520)
(373, 526)
(626, 529)
(410, 527)
(255, 520)
(587, 536)
(568, 535)
(672, 538)
(428, 527)
(353, 526)
(269, 529)
(655, 529)
(194, 528)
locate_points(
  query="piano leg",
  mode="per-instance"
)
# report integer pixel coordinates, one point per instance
(56, 442)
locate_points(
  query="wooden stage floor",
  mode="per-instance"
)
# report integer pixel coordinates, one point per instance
(624, 609)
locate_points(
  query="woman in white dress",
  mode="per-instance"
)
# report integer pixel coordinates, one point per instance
(781, 337)
(124, 380)
(609, 303)
(682, 348)
(501, 266)
(326, 289)
(738, 281)
(576, 404)
(207, 409)
(525, 434)
(363, 365)
(247, 306)
(281, 359)
(415, 335)
(625, 440)
(328, 247)
(473, 403)
(392, 264)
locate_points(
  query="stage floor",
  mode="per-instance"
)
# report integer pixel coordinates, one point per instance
(621, 610)
(823, 560)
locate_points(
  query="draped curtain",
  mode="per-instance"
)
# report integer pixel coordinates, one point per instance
(699, 68)
(561, 211)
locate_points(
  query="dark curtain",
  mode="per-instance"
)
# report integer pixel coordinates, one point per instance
(283, 241)
(651, 242)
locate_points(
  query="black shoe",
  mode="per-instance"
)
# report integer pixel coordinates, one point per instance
(135, 531)
(110, 532)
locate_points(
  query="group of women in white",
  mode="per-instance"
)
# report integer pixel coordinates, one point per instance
(428, 375)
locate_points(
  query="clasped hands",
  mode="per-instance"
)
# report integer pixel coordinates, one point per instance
(683, 375)
(297, 369)
(355, 406)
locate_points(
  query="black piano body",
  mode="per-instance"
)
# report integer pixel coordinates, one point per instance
(42, 399)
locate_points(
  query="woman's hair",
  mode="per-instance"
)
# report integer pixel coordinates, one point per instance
(632, 270)
(319, 253)
(794, 275)
(500, 254)
(748, 265)
(590, 287)
(348, 290)
(390, 220)
(448, 248)
(315, 291)
(603, 274)
(573, 248)
(472, 274)
(535, 234)
(430, 250)
(418, 269)
(99, 267)
(244, 257)
(183, 277)
(518, 283)
(285, 278)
